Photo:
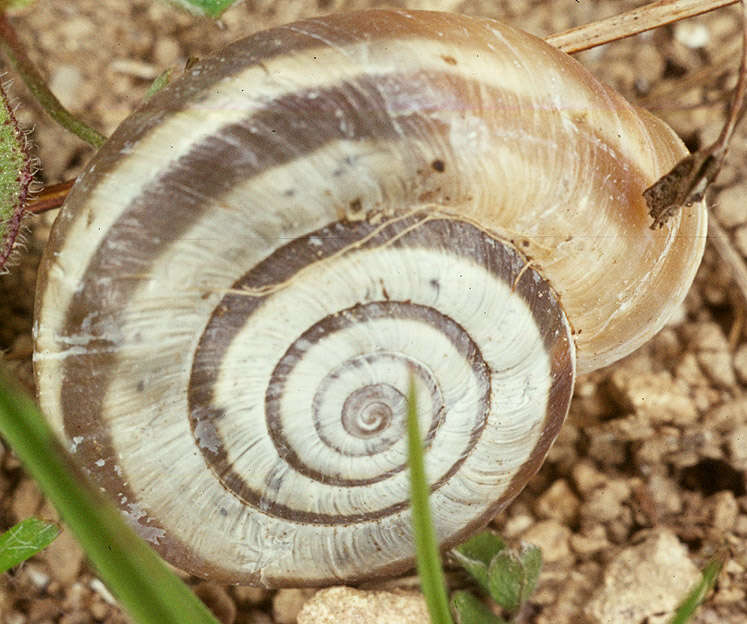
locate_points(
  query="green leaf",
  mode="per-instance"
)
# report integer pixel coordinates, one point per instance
(482, 547)
(15, 178)
(513, 576)
(506, 579)
(140, 580)
(6, 5)
(211, 8)
(696, 595)
(475, 555)
(531, 559)
(469, 610)
(159, 83)
(426, 548)
(25, 539)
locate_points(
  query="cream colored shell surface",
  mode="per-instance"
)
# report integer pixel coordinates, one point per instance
(239, 285)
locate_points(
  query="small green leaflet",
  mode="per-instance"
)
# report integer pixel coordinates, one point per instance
(6, 5)
(211, 8)
(476, 554)
(513, 576)
(25, 539)
(508, 575)
(468, 609)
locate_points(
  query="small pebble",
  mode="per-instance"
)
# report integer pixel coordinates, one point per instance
(731, 207)
(552, 537)
(692, 34)
(287, 603)
(587, 477)
(65, 82)
(344, 605)
(721, 511)
(558, 502)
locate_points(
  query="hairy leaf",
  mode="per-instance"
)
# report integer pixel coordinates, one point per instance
(15, 178)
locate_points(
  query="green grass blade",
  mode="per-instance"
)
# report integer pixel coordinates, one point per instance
(708, 578)
(139, 579)
(426, 549)
(25, 539)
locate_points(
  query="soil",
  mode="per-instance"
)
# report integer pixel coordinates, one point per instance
(654, 445)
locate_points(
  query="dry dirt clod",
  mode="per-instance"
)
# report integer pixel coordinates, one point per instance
(552, 537)
(558, 502)
(644, 583)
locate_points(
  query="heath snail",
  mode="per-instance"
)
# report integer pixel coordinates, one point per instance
(238, 286)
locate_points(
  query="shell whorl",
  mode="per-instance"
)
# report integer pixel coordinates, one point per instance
(244, 277)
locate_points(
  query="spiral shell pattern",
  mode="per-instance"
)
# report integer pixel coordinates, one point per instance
(241, 284)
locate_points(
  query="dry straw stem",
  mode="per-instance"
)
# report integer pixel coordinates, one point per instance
(631, 23)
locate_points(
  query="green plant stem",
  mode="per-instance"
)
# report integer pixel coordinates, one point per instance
(426, 548)
(139, 579)
(13, 49)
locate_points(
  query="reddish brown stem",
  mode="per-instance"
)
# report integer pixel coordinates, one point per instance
(50, 197)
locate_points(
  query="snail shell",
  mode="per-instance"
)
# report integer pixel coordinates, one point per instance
(239, 285)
